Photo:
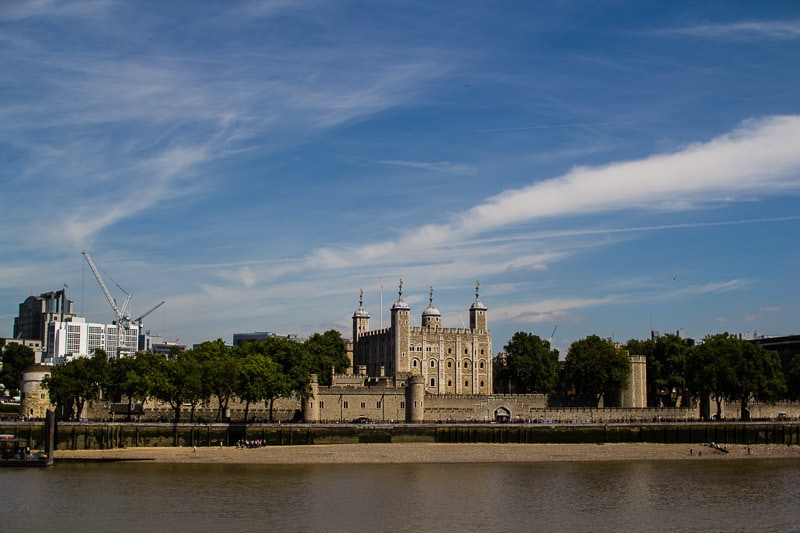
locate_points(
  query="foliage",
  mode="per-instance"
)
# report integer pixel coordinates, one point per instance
(595, 368)
(131, 377)
(666, 368)
(220, 369)
(260, 378)
(15, 358)
(530, 365)
(70, 385)
(177, 380)
(733, 369)
(793, 378)
(327, 355)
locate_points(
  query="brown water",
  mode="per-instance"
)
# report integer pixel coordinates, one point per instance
(740, 495)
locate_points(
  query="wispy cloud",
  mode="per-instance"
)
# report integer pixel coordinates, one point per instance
(445, 167)
(760, 158)
(740, 31)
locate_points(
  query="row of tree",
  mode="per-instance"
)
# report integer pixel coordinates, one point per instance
(722, 367)
(253, 372)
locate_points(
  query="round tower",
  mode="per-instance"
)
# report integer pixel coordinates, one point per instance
(311, 404)
(431, 317)
(415, 400)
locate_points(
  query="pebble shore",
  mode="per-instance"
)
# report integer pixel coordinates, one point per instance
(413, 453)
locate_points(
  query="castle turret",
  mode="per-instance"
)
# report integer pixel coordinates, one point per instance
(310, 405)
(431, 317)
(401, 332)
(360, 321)
(477, 312)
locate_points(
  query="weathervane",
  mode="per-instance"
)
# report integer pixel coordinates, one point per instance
(477, 288)
(361, 297)
(400, 291)
(430, 300)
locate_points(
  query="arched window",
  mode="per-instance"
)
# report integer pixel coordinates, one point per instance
(433, 382)
(481, 365)
(433, 363)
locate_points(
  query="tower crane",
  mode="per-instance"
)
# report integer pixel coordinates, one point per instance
(139, 320)
(121, 314)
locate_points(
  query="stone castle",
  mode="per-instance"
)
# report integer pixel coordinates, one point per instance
(430, 373)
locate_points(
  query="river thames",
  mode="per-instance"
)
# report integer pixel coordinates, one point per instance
(743, 495)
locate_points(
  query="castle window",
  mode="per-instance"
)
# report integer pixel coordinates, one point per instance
(449, 383)
(449, 350)
(466, 351)
(481, 384)
(344, 404)
(481, 363)
(466, 383)
(379, 404)
(449, 364)
(433, 382)
(481, 351)
(402, 405)
(466, 364)
(433, 363)
(363, 405)
(321, 404)
(415, 363)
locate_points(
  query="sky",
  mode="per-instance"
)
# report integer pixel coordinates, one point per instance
(601, 168)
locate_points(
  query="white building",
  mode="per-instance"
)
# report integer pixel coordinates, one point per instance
(78, 338)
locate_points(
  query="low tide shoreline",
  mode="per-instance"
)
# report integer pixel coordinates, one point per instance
(415, 453)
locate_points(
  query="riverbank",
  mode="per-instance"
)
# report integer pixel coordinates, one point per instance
(411, 453)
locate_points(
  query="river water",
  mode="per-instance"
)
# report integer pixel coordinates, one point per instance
(722, 495)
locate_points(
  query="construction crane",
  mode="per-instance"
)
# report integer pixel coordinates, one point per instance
(139, 320)
(121, 314)
(553, 333)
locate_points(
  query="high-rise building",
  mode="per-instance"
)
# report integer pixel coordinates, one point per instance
(37, 312)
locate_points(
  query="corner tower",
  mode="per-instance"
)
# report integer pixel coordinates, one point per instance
(401, 332)
(477, 312)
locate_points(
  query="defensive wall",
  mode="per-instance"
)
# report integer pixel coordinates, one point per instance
(83, 436)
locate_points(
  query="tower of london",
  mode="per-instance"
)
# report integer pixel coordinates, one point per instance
(450, 360)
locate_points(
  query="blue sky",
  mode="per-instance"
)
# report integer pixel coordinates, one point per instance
(599, 166)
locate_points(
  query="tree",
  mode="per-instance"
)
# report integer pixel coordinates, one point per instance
(666, 368)
(220, 372)
(16, 357)
(733, 369)
(531, 365)
(793, 378)
(177, 380)
(295, 370)
(130, 377)
(327, 353)
(70, 385)
(260, 378)
(595, 368)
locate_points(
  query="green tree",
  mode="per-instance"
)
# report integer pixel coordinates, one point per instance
(595, 368)
(328, 354)
(260, 378)
(178, 379)
(130, 378)
(16, 357)
(530, 365)
(793, 378)
(220, 372)
(666, 368)
(733, 369)
(295, 370)
(70, 385)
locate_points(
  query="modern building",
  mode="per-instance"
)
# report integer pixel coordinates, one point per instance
(450, 360)
(36, 313)
(78, 338)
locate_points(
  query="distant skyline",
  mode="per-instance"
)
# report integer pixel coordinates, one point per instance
(600, 167)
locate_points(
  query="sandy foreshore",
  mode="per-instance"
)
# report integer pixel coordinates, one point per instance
(410, 453)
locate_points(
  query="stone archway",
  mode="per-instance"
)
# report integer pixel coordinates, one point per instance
(502, 415)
